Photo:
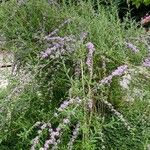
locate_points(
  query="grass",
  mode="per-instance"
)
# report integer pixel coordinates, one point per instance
(42, 85)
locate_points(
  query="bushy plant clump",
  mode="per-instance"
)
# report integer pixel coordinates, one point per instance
(140, 2)
(82, 80)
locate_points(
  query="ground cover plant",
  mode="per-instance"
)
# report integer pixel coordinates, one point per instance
(82, 78)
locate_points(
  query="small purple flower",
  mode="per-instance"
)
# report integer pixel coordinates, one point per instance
(64, 105)
(90, 46)
(58, 129)
(52, 140)
(146, 62)
(39, 131)
(132, 47)
(53, 134)
(43, 126)
(66, 121)
(46, 145)
(44, 55)
(35, 141)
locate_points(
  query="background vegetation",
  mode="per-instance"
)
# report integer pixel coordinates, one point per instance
(139, 2)
(82, 79)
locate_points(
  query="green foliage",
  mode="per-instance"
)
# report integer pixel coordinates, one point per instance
(140, 2)
(41, 85)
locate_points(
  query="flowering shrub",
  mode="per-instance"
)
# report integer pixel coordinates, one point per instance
(82, 81)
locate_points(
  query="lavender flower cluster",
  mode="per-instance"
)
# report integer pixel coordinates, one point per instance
(89, 61)
(74, 136)
(66, 104)
(59, 46)
(35, 141)
(118, 114)
(118, 72)
(132, 47)
(146, 62)
(55, 134)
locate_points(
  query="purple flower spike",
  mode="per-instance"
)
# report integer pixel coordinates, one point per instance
(118, 72)
(35, 141)
(44, 55)
(89, 61)
(74, 136)
(146, 62)
(106, 80)
(132, 47)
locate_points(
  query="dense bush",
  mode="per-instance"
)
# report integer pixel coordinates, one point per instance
(139, 2)
(82, 80)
